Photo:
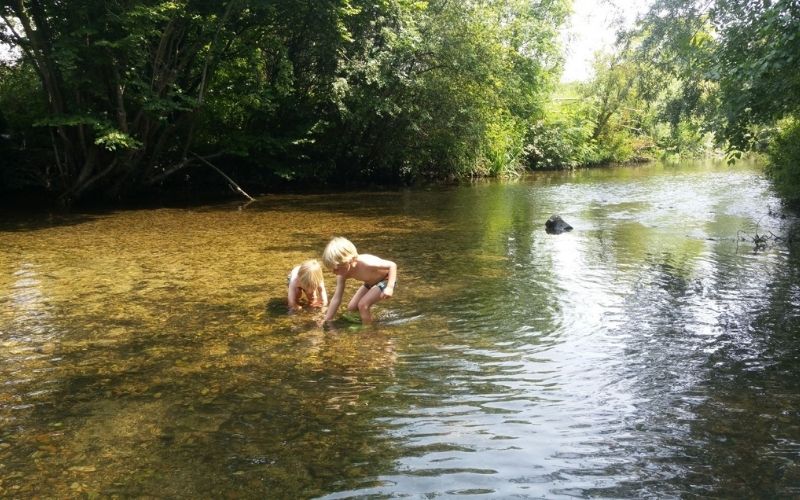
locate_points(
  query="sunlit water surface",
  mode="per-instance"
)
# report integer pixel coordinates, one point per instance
(653, 351)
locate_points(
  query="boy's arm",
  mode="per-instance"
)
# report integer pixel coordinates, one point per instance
(336, 300)
(391, 280)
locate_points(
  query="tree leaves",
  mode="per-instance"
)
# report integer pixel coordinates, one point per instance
(356, 89)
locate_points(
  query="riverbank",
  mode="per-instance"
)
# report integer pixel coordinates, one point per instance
(203, 186)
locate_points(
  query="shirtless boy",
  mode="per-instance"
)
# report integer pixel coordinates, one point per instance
(378, 275)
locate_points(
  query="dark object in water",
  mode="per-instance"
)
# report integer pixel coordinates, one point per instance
(556, 225)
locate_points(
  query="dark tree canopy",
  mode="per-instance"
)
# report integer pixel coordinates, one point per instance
(113, 98)
(393, 89)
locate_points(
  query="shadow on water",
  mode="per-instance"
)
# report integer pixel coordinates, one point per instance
(352, 204)
(750, 422)
(19, 222)
(710, 377)
(276, 307)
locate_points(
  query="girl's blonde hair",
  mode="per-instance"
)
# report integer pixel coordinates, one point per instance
(338, 251)
(309, 275)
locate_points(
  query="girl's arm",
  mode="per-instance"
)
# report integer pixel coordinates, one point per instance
(323, 294)
(292, 295)
(336, 300)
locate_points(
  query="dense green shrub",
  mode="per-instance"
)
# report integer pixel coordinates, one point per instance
(562, 143)
(784, 160)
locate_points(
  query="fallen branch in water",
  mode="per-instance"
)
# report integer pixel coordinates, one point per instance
(231, 183)
(759, 240)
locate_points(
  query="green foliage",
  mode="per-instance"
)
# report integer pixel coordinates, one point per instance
(20, 99)
(22, 163)
(615, 117)
(563, 139)
(293, 90)
(757, 63)
(442, 88)
(122, 84)
(691, 79)
(112, 140)
(735, 62)
(784, 159)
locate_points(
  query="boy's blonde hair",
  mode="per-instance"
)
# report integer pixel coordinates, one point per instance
(338, 251)
(309, 275)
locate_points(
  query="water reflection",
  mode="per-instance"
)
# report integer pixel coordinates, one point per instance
(646, 353)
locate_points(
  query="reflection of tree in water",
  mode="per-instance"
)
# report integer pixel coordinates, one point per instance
(747, 430)
(711, 355)
(658, 365)
(483, 265)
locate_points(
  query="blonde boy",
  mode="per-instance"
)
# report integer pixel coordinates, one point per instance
(307, 279)
(379, 277)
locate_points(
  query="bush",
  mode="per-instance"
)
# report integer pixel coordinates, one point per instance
(562, 143)
(784, 160)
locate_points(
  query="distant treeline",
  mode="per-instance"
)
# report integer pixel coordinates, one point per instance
(112, 99)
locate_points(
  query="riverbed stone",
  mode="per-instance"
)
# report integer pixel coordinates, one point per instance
(556, 225)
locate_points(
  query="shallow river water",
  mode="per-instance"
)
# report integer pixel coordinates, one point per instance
(653, 351)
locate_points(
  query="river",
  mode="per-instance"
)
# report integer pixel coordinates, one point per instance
(651, 352)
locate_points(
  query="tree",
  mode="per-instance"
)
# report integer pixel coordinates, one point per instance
(444, 88)
(122, 81)
(323, 90)
(737, 61)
